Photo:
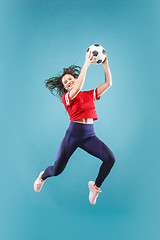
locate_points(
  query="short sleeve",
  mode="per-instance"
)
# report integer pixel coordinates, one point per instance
(94, 94)
(66, 99)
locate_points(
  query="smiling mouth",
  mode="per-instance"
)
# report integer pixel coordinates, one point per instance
(71, 84)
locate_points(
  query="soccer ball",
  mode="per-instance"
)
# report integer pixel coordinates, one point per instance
(99, 53)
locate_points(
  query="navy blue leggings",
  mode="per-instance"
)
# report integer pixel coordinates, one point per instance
(82, 136)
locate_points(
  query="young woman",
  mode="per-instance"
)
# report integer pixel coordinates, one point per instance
(80, 133)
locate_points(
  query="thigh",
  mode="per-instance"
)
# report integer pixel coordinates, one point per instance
(66, 149)
(96, 147)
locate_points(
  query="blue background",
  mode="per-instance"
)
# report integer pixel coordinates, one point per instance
(38, 39)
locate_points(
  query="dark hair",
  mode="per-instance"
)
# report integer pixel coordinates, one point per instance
(55, 85)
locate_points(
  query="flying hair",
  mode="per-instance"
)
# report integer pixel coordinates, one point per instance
(55, 85)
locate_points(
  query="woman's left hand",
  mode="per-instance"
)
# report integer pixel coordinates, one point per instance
(105, 62)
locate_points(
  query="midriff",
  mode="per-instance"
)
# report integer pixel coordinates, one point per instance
(84, 120)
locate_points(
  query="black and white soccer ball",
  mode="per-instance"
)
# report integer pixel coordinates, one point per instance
(99, 53)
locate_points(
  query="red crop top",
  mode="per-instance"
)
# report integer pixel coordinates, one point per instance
(82, 106)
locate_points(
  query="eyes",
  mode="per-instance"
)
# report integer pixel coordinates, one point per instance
(68, 79)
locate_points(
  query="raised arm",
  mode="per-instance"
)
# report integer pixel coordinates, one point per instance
(81, 78)
(108, 79)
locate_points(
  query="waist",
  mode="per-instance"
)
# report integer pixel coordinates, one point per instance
(84, 120)
(81, 128)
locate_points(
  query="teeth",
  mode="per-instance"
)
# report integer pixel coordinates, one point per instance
(71, 84)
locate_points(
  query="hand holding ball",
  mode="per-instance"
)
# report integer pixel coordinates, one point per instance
(99, 53)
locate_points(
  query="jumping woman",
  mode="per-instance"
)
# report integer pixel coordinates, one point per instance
(80, 133)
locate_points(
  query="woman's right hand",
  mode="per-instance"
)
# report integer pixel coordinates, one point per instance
(89, 58)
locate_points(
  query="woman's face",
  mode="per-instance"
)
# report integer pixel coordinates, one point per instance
(68, 81)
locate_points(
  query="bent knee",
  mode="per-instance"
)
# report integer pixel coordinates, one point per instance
(108, 156)
(112, 159)
(109, 159)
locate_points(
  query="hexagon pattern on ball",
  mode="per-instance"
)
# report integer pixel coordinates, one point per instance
(99, 53)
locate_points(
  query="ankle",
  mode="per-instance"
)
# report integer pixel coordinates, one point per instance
(96, 187)
(42, 180)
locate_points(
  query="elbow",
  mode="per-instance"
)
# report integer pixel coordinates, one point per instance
(110, 82)
(109, 85)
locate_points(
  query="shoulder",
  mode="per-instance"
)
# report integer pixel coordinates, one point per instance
(63, 96)
(93, 94)
(66, 99)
